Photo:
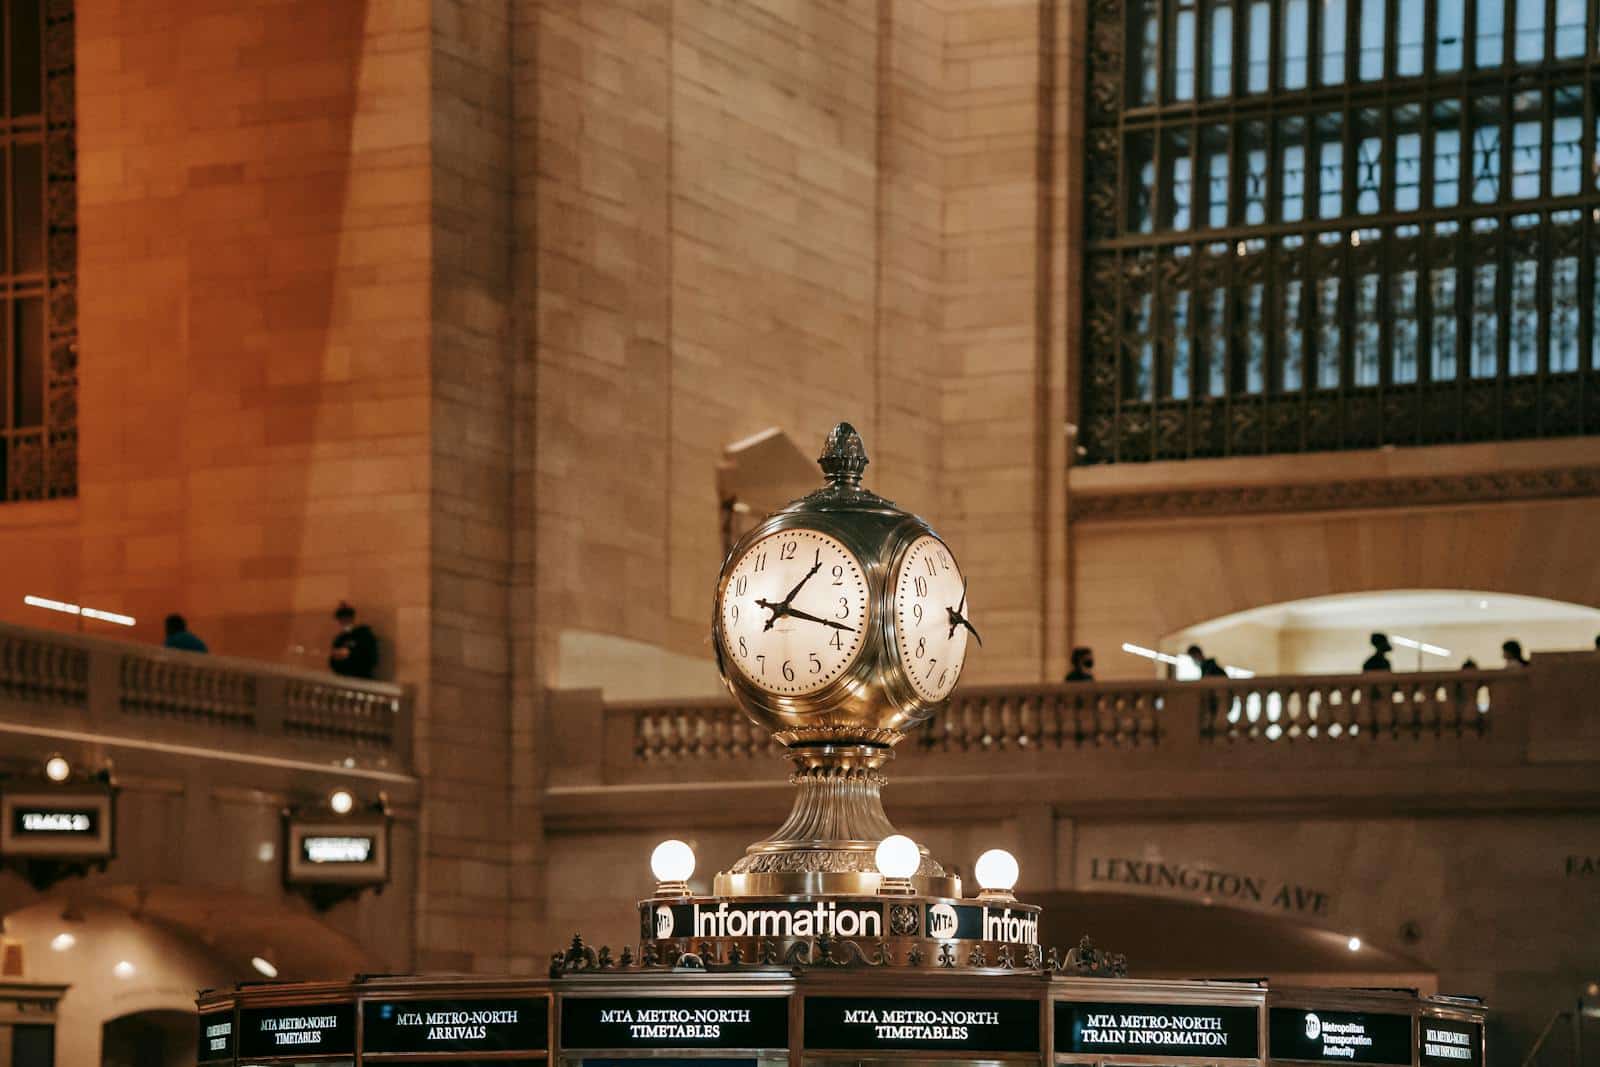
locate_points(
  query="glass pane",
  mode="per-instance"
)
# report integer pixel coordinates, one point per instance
(1180, 59)
(1139, 367)
(27, 207)
(1179, 180)
(1296, 36)
(1566, 143)
(1408, 39)
(1330, 166)
(1254, 312)
(1293, 317)
(1407, 159)
(1570, 35)
(1292, 169)
(1485, 323)
(1219, 50)
(1144, 31)
(1214, 155)
(1443, 324)
(1259, 72)
(1524, 315)
(1529, 47)
(1180, 345)
(1253, 151)
(1446, 155)
(1527, 146)
(27, 353)
(1328, 332)
(26, 33)
(1403, 315)
(1564, 314)
(1489, 41)
(1369, 162)
(1450, 32)
(1214, 341)
(1141, 182)
(1365, 328)
(1485, 152)
(1370, 65)
(1333, 41)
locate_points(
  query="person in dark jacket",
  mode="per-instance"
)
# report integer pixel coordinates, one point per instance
(1512, 650)
(355, 647)
(1379, 660)
(1209, 668)
(1082, 665)
(179, 637)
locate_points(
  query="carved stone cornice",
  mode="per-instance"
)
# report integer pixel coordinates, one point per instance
(1346, 494)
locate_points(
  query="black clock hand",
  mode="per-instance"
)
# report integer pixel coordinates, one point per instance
(815, 567)
(798, 614)
(974, 632)
(780, 609)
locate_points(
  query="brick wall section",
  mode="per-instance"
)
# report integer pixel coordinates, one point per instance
(463, 754)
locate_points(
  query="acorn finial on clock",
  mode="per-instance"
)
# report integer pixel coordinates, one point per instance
(843, 457)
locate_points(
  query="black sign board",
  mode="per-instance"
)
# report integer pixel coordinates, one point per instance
(351, 851)
(674, 1022)
(922, 1023)
(1449, 1042)
(1317, 1036)
(216, 1036)
(61, 825)
(774, 919)
(1118, 1028)
(297, 1030)
(501, 1025)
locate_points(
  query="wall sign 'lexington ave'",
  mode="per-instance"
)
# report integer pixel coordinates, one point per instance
(847, 918)
(501, 1025)
(922, 1023)
(674, 1022)
(216, 1036)
(1158, 1029)
(297, 1030)
(1338, 1036)
(1449, 1042)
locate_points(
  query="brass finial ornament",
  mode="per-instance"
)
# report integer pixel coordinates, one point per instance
(840, 622)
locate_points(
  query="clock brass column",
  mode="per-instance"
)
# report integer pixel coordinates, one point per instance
(840, 623)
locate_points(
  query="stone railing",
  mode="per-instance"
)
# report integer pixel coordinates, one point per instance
(1494, 716)
(111, 688)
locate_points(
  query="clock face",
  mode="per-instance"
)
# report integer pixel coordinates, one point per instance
(794, 611)
(930, 606)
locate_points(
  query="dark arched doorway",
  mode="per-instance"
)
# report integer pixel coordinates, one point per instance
(148, 1039)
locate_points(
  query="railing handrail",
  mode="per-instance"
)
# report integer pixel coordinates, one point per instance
(1544, 1035)
(180, 657)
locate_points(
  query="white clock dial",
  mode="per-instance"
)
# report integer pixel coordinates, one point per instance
(794, 611)
(931, 613)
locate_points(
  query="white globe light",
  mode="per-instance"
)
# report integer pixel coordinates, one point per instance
(57, 769)
(996, 869)
(672, 861)
(264, 966)
(1354, 944)
(897, 856)
(341, 801)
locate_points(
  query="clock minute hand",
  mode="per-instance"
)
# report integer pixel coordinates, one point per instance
(958, 619)
(798, 614)
(815, 567)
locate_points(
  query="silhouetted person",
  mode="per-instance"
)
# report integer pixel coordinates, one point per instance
(1209, 668)
(1512, 650)
(1379, 660)
(355, 648)
(1082, 665)
(179, 637)
(1469, 664)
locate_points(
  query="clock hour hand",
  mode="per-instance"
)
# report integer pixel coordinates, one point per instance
(779, 610)
(797, 613)
(815, 567)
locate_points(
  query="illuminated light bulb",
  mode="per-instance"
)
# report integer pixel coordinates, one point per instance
(997, 873)
(124, 969)
(672, 863)
(1354, 944)
(897, 858)
(341, 801)
(264, 967)
(57, 769)
(63, 941)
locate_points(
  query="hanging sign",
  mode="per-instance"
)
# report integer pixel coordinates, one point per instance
(1449, 1042)
(1139, 1029)
(297, 1030)
(216, 1036)
(1318, 1036)
(57, 824)
(674, 1022)
(922, 1024)
(502, 1025)
(352, 851)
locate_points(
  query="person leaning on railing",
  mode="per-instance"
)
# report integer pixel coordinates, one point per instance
(355, 647)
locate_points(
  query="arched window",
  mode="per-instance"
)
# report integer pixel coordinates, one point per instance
(1339, 225)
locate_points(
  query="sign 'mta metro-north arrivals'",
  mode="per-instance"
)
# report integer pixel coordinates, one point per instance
(1126, 1029)
(1317, 1036)
(674, 1022)
(1449, 1042)
(216, 1036)
(922, 1024)
(298, 1030)
(501, 1025)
